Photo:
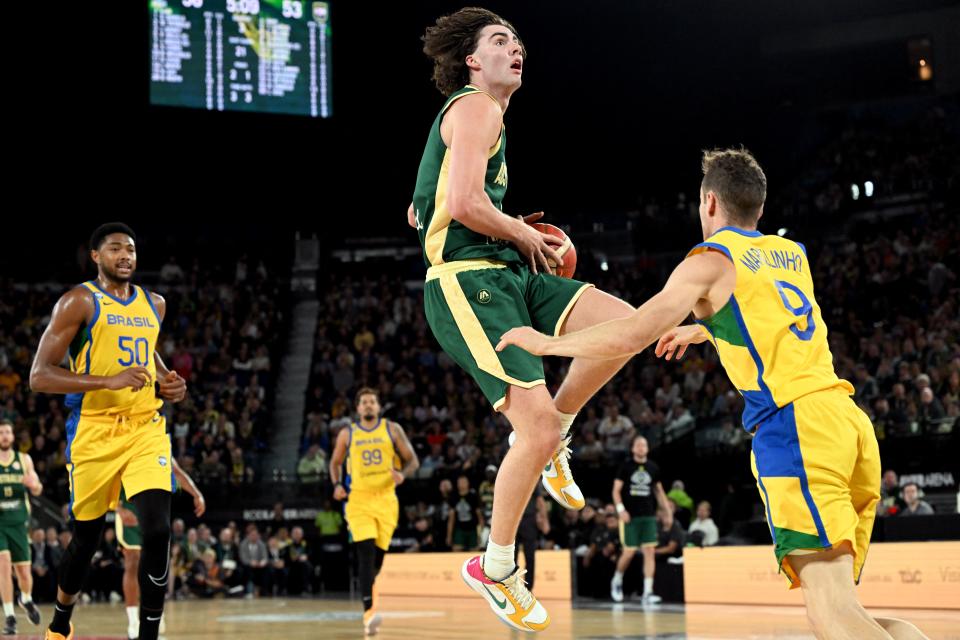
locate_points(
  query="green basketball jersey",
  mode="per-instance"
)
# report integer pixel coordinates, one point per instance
(14, 503)
(442, 238)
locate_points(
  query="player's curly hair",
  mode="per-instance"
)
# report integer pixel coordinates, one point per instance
(736, 178)
(452, 39)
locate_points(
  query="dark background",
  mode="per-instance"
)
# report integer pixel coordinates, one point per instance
(617, 102)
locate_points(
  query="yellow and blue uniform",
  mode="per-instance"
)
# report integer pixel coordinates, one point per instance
(115, 437)
(372, 509)
(815, 454)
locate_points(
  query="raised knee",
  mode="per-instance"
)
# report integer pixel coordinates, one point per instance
(548, 438)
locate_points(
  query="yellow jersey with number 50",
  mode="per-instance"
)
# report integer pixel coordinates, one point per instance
(121, 334)
(770, 336)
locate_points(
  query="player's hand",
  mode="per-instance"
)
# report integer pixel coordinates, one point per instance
(128, 518)
(32, 482)
(173, 388)
(624, 517)
(135, 378)
(527, 338)
(673, 344)
(537, 246)
(398, 477)
(339, 493)
(199, 505)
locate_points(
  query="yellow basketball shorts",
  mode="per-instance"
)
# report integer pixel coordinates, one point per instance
(105, 451)
(817, 466)
(372, 515)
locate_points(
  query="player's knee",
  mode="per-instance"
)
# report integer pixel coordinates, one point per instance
(546, 443)
(157, 534)
(131, 562)
(86, 537)
(154, 509)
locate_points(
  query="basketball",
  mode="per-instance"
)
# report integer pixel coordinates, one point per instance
(566, 250)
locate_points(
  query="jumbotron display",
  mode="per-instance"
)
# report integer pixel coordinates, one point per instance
(241, 55)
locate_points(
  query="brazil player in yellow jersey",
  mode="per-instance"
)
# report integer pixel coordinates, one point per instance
(815, 455)
(488, 271)
(17, 477)
(378, 458)
(115, 435)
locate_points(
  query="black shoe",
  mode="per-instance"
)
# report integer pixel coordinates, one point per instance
(10, 627)
(32, 612)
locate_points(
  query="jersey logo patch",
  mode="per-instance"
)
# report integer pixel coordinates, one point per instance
(483, 296)
(162, 460)
(502, 175)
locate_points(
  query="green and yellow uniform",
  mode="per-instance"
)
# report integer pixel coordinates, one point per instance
(477, 287)
(14, 511)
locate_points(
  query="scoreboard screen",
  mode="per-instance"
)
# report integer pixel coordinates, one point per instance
(241, 55)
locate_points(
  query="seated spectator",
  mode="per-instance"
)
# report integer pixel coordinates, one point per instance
(423, 536)
(891, 503)
(329, 522)
(211, 469)
(276, 574)
(683, 503)
(253, 558)
(228, 556)
(616, 430)
(299, 568)
(312, 467)
(177, 586)
(206, 576)
(670, 540)
(702, 530)
(191, 547)
(914, 505)
(600, 559)
(106, 574)
(53, 543)
(590, 450)
(43, 567)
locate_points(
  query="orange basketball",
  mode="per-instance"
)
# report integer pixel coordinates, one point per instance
(566, 250)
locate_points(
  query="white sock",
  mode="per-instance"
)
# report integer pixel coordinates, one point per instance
(498, 560)
(25, 598)
(618, 577)
(566, 419)
(647, 586)
(8, 609)
(133, 616)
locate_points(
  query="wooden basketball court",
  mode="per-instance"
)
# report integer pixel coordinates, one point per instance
(468, 618)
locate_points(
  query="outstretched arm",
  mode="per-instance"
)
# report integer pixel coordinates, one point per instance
(691, 282)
